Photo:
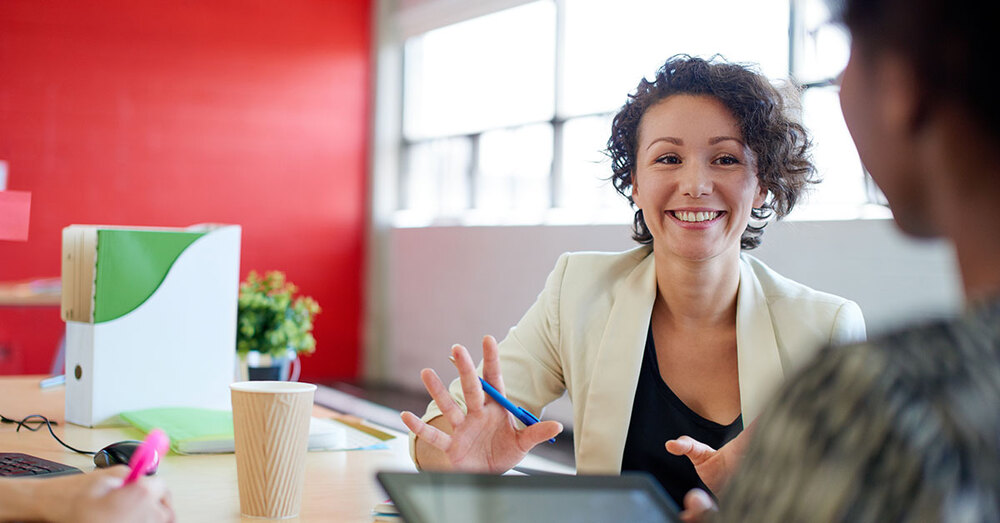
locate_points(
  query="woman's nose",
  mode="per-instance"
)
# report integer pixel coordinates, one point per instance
(696, 181)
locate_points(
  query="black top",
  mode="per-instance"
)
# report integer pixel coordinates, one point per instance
(659, 415)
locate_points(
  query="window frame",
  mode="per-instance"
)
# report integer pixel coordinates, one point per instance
(796, 28)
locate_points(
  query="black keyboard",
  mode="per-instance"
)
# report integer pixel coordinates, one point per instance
(14, 464)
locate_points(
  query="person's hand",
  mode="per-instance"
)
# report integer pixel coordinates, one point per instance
(100, 497)
(697, 505)
(485, 438)
(714, 467)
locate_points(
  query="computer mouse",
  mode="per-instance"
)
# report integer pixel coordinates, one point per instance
(119, 454)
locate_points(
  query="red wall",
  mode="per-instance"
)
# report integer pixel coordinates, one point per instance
(168, 112)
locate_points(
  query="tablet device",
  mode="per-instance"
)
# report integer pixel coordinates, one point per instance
(445, 497)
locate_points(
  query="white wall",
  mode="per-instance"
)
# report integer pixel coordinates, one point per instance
(450, 285)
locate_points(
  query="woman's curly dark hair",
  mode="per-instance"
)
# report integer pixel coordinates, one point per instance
(780, 144)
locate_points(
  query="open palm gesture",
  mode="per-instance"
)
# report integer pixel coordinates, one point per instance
(484, 437)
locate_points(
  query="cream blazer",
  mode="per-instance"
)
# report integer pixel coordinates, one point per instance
(586, 333)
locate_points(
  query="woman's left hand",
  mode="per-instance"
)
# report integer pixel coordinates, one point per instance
(714, 467)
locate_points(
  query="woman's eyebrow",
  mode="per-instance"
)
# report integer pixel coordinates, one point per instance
(717, 139)
(671, 139)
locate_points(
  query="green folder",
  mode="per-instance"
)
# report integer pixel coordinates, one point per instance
(191, 430)
(208, 431)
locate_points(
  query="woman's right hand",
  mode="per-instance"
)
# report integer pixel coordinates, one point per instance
(486, 437)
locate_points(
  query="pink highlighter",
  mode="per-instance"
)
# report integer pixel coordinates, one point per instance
(147, 455)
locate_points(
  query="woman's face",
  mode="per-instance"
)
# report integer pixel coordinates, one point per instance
(695, 179)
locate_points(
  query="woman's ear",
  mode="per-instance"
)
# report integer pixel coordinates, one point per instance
(635, 186)
(761, 197)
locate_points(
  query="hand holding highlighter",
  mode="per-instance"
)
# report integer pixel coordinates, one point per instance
(147, 455)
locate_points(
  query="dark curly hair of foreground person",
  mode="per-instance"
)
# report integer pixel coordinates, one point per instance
(903, 428)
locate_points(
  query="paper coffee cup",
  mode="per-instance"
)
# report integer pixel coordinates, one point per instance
(271, 422)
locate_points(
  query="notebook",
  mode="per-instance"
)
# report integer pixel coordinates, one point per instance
(443, 497)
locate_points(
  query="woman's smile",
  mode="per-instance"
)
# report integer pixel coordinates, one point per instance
(696, 218)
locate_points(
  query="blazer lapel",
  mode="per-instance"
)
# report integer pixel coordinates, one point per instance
(759, 363)
(616, 373)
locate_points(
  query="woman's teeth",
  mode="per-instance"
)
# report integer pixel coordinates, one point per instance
(686, 216)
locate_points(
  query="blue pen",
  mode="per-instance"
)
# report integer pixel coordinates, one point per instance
(522, 415)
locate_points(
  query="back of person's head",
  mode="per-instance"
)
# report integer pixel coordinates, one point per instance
(950, 45)
(902, 429)
(765, 115)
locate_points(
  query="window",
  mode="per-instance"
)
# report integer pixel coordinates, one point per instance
(820, 51)
(506, 116)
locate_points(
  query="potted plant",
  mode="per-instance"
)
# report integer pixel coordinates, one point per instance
(273, 326)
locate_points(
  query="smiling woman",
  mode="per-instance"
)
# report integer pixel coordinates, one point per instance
(746, 111)
(695, 180)
(679, 342)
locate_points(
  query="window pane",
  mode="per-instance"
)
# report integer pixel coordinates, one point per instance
(514, 167)
(611, 45)
(824, 47)
(492, 71)
(479, 98)
(437, 177)
(584, 182)
(835, 156)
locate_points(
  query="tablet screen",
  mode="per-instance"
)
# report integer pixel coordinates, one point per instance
(447, 498)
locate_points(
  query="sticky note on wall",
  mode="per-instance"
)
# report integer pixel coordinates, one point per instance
(15, 208)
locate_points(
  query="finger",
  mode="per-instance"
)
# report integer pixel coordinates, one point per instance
(471, 388)
(491, 363)
(167, 500)
(117, 471)
(695, 450)
(113, 477)
(158, 500)
(164, 513)
(532, 435)
(157, 489)
(697, 505)
(432, 435)
(452, 412)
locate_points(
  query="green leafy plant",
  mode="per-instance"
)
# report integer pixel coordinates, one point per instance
(271, 320)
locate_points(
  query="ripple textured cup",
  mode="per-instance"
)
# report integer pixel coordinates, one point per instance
(271, 423)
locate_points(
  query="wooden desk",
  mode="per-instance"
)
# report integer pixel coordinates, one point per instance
(340, 485)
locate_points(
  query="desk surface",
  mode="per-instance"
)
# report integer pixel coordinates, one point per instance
(340, 485)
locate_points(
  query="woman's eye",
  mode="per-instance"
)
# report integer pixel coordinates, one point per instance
(728, 160)
(669, 159)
